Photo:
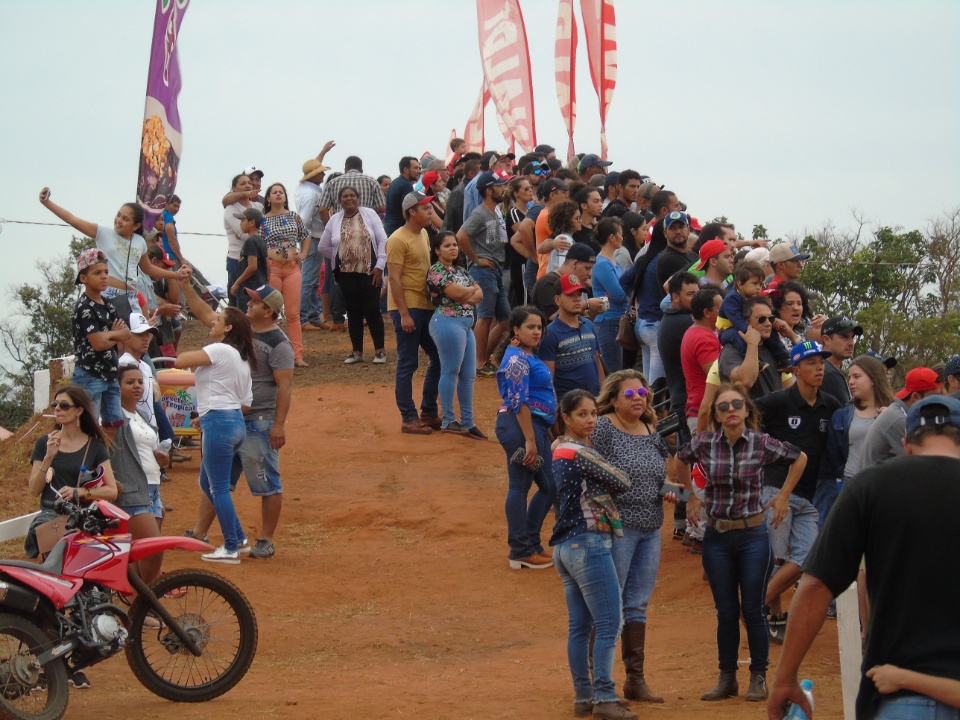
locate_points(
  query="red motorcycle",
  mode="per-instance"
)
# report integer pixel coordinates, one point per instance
(189, 638)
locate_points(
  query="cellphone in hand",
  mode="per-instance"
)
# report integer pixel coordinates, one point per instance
(521, 453)
(683, 495)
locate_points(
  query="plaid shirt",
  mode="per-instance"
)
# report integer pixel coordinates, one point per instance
(735, 472)
(367, 188)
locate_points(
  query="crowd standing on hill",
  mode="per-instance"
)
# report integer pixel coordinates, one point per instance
(627, 339)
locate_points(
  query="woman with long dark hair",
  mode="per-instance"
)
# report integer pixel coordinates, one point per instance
(736, 549)
(523, 429)
(648, 294)
(627, 438)
(606, 283)
(519, 192)
(224, 388)
(76, 442)
(355, 242)
(455, 294)
(288, 243)
(588, 526)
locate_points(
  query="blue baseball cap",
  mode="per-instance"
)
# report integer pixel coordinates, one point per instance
(589, 161)
(675, 217)
(933, 410)
(808, 348)
(489, 178)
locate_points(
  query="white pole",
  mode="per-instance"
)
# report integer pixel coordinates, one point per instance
(851, 652)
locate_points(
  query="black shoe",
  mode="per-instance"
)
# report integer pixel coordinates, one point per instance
(79, 681)
(454, 428)
(777, 625)
(475, 433)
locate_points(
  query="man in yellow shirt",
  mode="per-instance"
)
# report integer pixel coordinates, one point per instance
(408, 260)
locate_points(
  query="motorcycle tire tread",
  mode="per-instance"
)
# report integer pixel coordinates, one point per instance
(241, 661)
(58, 692)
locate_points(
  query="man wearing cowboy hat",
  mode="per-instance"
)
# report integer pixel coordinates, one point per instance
(307, 195)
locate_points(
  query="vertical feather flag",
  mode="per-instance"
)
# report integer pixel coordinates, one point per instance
(473, 133)
(506, 67)
(566, 68)
(161, 142)
(600, 29)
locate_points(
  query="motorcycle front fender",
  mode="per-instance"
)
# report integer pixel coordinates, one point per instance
(146, 547)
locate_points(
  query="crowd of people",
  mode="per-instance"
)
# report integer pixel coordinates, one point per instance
(629, 342)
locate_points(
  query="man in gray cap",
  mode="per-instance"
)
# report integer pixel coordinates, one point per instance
(787, 262)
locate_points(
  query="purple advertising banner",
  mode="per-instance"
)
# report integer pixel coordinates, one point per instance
(162, 139)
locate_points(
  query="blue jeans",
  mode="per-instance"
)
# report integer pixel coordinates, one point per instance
(223, 433)
(826, 494)
(647, 332)
(457, 348)
(259, 462)
(309, 285)
(637, 558)
(233, 272)
(737, 564)
(611, 353)
(408, 360)
(338, 308)
(104, 397)
(524, 521)
(915, 707)
(494, 305)
(590, 587)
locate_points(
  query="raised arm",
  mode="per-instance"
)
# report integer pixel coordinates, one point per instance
(198, 307)
(86, 227)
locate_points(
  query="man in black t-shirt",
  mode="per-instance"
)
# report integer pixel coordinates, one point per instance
(801, 416)
(676, 228)
(628, 186)
(840, 335)
(901, 516)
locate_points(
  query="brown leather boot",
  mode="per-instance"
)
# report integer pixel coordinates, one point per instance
(727, 687)
(613, 711)
(632, 642)
(757, 692)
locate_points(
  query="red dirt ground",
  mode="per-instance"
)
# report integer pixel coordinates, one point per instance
(390, 594)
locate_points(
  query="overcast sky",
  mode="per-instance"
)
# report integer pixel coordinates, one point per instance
(788, 114)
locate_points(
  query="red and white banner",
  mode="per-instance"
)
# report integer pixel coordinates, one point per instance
(506, 67)
(566, 69)
(473, 133)
(600, 29)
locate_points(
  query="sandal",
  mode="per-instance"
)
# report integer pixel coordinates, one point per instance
(301, 363)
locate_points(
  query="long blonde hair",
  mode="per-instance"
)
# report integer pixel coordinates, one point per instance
(753, 415)
(611, 389)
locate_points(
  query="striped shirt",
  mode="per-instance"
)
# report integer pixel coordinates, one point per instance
(735, 472)
(368, 191)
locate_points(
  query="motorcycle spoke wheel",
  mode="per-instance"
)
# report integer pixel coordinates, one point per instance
(217, 617)
(27, 692)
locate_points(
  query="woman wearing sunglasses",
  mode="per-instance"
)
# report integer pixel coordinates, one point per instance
(626, 436)
(76, 442)
(588, 526)
(736, 551)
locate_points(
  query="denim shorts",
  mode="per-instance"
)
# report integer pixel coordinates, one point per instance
(260, 462)
(104, 396)
(155, 507)
(494, 304)
(792, 541)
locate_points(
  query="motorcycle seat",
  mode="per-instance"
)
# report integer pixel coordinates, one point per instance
(53, 564)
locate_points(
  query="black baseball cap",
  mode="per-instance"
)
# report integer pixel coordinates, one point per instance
(581, 252)
(840, 324)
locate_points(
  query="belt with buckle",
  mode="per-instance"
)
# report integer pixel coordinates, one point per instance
(738, 524)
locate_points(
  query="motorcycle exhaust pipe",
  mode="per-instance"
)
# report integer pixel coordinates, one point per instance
(18, 598)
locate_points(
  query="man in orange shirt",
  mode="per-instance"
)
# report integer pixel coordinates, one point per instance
(551, 191)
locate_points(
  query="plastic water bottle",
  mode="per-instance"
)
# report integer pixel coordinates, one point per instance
(165, 445)
(794, 711)
(87, 475)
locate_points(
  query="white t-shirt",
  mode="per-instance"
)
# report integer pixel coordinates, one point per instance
(235, 238)
(225, 384)
(146, 439)
(117, 250)
(307, 196)
(145, 406)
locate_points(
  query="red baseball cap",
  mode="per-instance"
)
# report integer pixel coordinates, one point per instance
(921, 379)
(695, 224)
(711, 248)
(570, 284)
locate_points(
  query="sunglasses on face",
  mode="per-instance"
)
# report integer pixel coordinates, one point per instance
(62, 404)
(735, 404)
(763, 319)
(630, 393)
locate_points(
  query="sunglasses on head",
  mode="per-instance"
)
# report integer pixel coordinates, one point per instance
(630, 393)
(735, 404)
(62, 404)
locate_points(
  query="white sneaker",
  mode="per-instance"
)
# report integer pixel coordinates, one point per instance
(353, 358)
(222, 555)
(244, 547)
(379, 359)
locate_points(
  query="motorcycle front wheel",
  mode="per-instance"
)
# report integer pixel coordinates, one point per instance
(28, 692)
(217, 617)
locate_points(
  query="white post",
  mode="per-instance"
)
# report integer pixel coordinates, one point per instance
(851, 652)
(41, 391)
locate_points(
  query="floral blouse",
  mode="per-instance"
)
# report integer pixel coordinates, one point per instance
(525, 380)
(283, 234)
(438, 277)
